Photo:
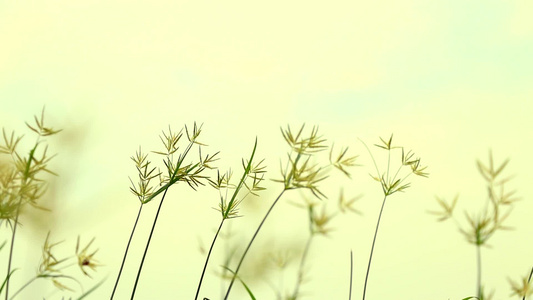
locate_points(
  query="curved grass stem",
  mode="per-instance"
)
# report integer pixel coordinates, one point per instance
(250, 244)
(126, 251)
(478, 252)
(351, 275)
(373, 244)
(207, 259)
(147, 245)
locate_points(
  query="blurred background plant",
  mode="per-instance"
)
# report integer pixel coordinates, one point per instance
(482, 225)
(22, 184)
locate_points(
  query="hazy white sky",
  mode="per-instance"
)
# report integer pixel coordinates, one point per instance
(451, 80)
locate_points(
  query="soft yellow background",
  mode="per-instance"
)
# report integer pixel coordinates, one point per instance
(451, 80)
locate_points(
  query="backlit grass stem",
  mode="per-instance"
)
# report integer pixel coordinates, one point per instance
(372, 248)
(391, 184)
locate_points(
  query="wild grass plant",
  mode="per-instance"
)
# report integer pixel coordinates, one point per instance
(177, 169)
(392, 179)
(304, 171)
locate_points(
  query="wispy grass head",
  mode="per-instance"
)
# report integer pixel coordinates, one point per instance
(175, 168)
(396, 181)
(304, 145)
(342, 161)
(40, 129)
(347, 205)
(301, 171)
(21, 180)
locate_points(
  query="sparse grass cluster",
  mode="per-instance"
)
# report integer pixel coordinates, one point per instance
(308, 165)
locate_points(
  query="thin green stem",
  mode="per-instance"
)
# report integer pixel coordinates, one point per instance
(126, 252)
(147, 245)
(373, 244)
(478, 252)
(250, 244)
(207, 258)
(24, 179)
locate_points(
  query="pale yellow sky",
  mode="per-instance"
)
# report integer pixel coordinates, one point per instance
(450, 79)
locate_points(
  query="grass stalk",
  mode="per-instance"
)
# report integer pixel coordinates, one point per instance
(126, 251)
(372, 249)
(25, 177)
(207, 258)
(478, 254)
(351, 275)
(147, 245)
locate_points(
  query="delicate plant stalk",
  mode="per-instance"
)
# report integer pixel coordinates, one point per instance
(391, 184)
(351, 275)
(147, 245)
(126, 251)
(373, 244)
(24, 180)
(207, 259)
(250, 243)
(478, 248)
